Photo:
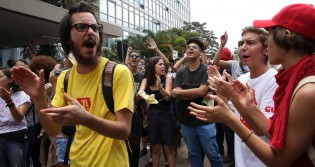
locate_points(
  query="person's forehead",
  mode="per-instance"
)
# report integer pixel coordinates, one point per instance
(250, 36)
(193, 44)
(83, 17)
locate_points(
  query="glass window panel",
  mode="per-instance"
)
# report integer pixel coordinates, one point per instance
(125, 15)
(103, 7)
(131, 17)
(118, 12)
(111, 9)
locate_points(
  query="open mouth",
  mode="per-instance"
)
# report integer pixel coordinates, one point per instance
(90, 43)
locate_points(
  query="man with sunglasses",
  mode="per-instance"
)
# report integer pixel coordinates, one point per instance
(100, 135)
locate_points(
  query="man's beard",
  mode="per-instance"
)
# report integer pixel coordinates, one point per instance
(84, 61)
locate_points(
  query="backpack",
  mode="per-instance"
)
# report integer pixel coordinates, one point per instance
(107, 82)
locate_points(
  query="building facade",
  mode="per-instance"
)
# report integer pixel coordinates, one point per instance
(37, 21)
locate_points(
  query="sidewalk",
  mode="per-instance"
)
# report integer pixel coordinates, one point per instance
(181, 158)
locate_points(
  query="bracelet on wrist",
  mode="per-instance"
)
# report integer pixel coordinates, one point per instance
(10, 104)
(244, 140)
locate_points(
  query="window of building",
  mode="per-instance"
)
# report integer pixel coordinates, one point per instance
(103, 10)
(125, 17)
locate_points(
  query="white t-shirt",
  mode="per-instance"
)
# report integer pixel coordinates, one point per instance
(7, 122)
(265, 87)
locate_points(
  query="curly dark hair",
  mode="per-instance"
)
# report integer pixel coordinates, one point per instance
(150, 70)
(7, 72)
(66, 23)
(43, 62)
(197, 41)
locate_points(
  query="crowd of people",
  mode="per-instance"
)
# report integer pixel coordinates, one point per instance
(90, 111)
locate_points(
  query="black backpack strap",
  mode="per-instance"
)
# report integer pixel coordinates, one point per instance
(66, 80)
(71, 135)
(107, 84)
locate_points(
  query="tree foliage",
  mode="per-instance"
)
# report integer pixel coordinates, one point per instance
(205, 35)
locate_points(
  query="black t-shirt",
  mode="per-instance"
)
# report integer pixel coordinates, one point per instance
(187, 79)
(163, 103)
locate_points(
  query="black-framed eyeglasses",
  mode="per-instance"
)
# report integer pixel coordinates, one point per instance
(83, 27)
(135, 56)
(194, 47)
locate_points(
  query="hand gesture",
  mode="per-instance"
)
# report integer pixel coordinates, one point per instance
(158, 81)
(129, 49)
(218, 83)
(224, 38)
(152, 43)
(5, 94)
(74, 114)
(29, 82)
(219, 113)
(245, 94)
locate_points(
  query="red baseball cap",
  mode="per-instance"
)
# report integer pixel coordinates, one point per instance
(226, 54)
(299, 18)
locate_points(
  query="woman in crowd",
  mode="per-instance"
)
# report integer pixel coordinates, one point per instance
(160, 120)
(291, 129)
(13, 128)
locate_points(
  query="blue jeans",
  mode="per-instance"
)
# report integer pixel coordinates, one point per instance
(12, 153)
(202, 139)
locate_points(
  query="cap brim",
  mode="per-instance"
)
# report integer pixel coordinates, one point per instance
(264, 24)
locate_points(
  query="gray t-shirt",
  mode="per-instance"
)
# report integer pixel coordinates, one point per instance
(236, 69)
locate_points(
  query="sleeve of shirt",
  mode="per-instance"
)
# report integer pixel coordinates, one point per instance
(178, 78)
(267, 103)
(123, 89)
(24, 98)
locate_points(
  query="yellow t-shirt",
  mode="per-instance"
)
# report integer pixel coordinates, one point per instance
(90, 148)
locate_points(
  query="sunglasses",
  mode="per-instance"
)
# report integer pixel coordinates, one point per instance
(134, 56)
(83, 27)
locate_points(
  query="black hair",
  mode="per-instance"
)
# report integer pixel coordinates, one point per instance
(66, 23)
(150, 70)
(7, 72)
(196, 41)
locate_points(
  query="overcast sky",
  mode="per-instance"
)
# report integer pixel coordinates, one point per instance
(233, 15)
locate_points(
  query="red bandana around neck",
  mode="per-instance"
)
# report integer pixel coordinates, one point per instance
(287, 81)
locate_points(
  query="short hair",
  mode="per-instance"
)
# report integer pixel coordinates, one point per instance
(66, 23)
(263, 34)
(46, 63)
(292, 41)
(7, 72)
(197, 41)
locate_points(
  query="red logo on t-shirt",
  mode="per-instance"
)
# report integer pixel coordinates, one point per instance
(85, 102)
(269, 109)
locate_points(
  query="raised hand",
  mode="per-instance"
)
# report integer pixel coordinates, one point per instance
(29, 82)
(224, 38)
(74, 114)
(152, 43)
(218, 113)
